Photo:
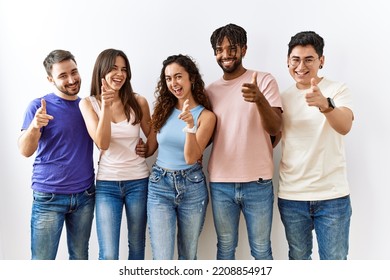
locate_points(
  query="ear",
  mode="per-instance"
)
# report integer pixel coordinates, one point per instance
(322, 60)
(50, 79)
(243, 50)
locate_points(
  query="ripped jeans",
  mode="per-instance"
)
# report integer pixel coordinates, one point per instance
(177, 199)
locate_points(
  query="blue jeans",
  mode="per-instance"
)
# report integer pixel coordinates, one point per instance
(329, 218)
(176, 198)
(50, 211)
(111, 196)
(255, 200)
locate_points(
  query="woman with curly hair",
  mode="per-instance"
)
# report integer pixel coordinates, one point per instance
(182, 126)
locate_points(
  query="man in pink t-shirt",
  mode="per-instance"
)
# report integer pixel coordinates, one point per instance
(248, 107)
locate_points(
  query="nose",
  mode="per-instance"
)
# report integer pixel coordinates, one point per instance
(71, 79)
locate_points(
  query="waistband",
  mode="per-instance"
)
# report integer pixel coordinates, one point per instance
(183, 172)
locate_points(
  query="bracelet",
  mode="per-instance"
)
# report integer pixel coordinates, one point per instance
(190, 130)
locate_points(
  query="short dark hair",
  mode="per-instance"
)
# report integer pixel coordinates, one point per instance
(234, 33)
(306, 38)
(56, 56)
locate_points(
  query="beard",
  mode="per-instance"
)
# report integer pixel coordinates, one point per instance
(233, 68)
(66, 89)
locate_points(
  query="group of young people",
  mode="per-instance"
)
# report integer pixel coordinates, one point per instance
(242, 115)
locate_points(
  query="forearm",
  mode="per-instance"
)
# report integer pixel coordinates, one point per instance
(271, 117)
(340, 119)
(102, 135)
(28, 141)
(192, 150)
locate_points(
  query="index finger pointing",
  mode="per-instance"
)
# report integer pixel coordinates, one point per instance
(43, 105)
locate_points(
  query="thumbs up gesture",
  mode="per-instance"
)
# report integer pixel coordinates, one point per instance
(41, 117)
(314, 96)
(250, 91)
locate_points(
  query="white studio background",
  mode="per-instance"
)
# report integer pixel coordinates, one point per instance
(357, 48)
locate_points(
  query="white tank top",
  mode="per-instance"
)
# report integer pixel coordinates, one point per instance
(120, 162)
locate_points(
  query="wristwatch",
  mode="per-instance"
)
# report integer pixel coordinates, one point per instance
(330, 104)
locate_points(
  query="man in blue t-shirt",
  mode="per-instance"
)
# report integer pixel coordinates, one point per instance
(63, 170)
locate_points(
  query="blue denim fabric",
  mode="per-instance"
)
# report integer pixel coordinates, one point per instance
(50, 211)
(111, 196)
(255, 200)
(176, 198)
(329, 218)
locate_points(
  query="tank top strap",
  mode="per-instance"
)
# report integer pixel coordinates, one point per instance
(95, 104)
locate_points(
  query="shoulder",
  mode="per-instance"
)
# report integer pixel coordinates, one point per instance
(207, 115)
(84, 101)
(142, 101)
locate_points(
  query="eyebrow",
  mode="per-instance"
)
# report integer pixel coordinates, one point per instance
(309, 56)
(174, 75)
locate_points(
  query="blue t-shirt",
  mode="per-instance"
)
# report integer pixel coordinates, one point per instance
(171, 140)
(64, 158)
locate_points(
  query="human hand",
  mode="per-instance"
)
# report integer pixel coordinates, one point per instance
(186, 115)
(140, 148)
(251, 91)
(107, 94)
(41, 117)
(314, 96)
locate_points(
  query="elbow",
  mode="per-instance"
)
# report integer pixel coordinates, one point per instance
(103, 146)
(191, 160)
(344, 131)
(26, 154)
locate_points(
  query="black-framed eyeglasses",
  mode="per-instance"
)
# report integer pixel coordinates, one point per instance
(308, 61)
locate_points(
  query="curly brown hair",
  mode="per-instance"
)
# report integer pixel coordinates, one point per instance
(166, 101)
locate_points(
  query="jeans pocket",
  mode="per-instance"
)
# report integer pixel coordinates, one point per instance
(42, 197)
(91, 190)
(196, 176)
(155, 176)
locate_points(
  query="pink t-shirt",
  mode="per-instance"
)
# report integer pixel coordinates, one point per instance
(242, 150)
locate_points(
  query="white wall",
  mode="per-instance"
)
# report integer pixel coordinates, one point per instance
(356, 50)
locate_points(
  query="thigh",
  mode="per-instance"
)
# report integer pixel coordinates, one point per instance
(226, 210)
(332, 223)
(136, 192)
(161, 213)
(79, 224)
(298, 225)
(191, 210)
(109, 204)
(257, 207)
(47, 220)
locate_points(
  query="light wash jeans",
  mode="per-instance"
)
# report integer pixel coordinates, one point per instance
(176, 199)
(329, 218)
(50, 211)
(255, 200)
(111, 196)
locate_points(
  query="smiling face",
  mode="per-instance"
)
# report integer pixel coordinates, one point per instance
(66, 78)
(303, 64)
(229, 58)
(117, 76)
(178, 81)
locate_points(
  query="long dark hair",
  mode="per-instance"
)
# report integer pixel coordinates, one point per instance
(103, 65)
(166, 101)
